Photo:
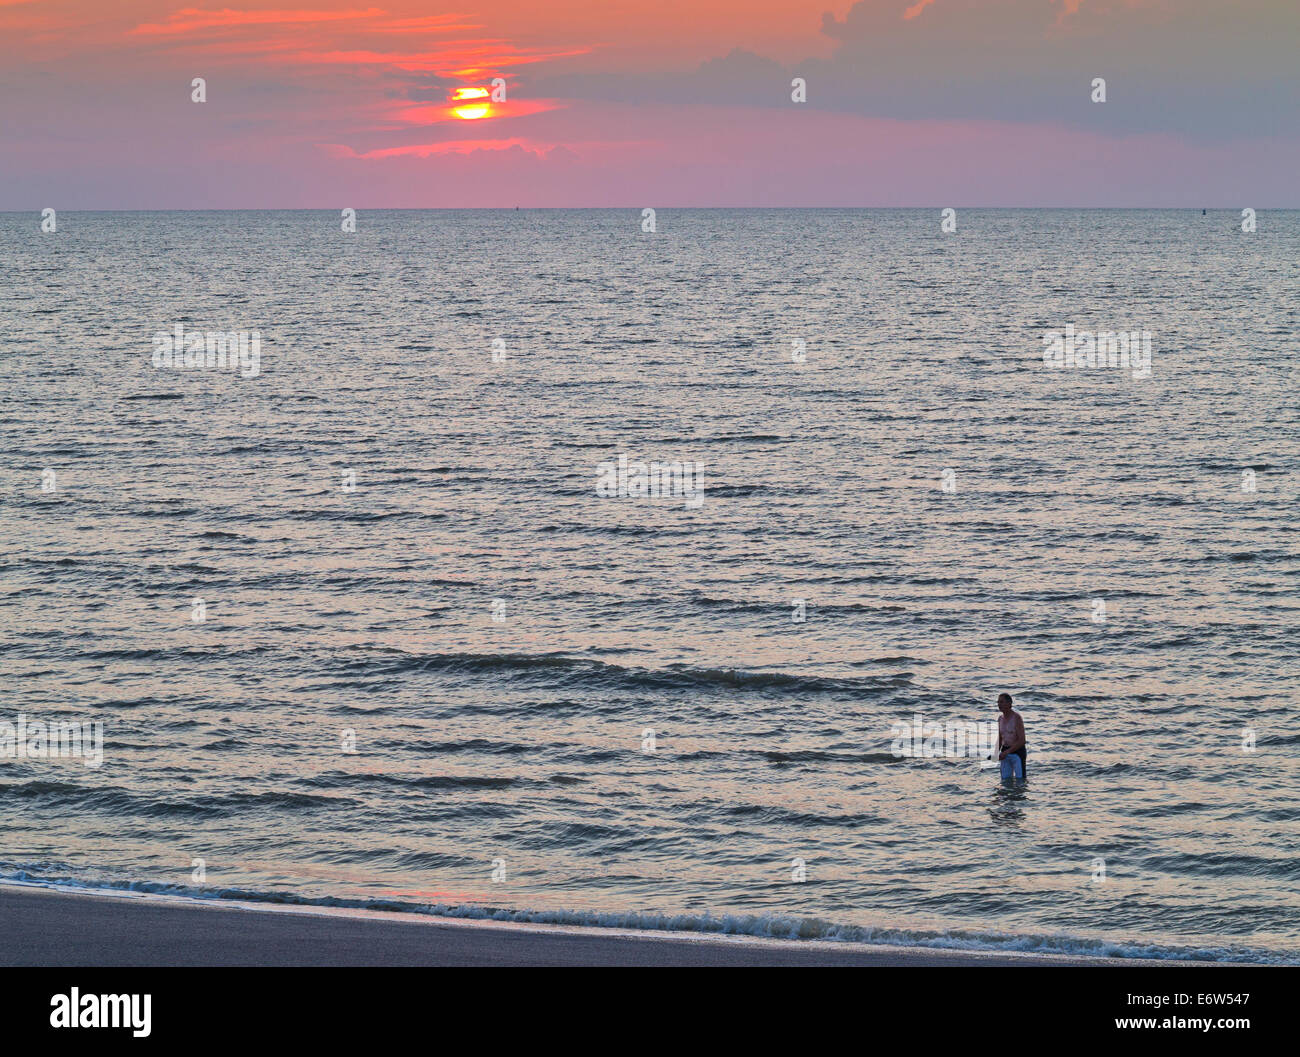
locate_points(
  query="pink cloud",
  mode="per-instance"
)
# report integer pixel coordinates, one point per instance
(425, 150)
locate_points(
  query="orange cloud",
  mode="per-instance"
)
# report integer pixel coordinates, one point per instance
(465, 59)
(192, 19)
(310, 37)
(406, 25)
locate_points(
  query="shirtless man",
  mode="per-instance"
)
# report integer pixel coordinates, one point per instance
(1011, 739)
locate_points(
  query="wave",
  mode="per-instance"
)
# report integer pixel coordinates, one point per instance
(819, 756)
(361, 516)
(111, 800)
(341, 779)
(767, 926)
(596, 675)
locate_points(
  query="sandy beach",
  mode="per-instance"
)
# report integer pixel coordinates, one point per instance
(57, 927)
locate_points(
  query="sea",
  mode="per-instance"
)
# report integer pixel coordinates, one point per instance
(658, 569)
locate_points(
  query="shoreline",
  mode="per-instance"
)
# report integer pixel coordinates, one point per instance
(48, 925)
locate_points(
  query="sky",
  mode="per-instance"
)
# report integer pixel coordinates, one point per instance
(634, 103)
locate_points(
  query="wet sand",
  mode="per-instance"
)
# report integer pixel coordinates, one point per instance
(58, 927)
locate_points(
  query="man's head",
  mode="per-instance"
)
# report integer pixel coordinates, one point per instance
(1004, 703)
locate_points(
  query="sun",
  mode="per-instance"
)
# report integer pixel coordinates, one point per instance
(470, 103)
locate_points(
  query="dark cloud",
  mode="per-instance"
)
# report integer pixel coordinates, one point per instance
(1200, 68)
(740, 78)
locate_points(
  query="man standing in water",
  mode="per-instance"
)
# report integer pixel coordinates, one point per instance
(1011, 739)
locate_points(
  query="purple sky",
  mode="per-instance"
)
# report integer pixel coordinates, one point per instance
(666, 103)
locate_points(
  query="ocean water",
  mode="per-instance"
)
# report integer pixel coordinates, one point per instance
(437, 669)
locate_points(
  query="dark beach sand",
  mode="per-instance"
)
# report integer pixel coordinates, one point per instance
(43, 926)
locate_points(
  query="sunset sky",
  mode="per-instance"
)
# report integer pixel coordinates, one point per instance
(379, 103)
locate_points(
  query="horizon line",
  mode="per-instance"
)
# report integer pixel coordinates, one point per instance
(636, 208)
